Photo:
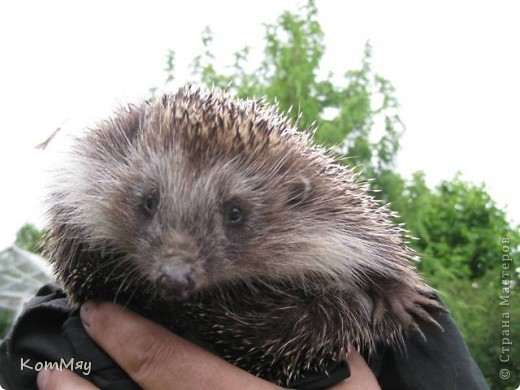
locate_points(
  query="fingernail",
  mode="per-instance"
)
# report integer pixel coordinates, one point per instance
(87, 312)
(43, 378)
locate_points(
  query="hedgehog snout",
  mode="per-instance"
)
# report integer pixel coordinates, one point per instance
(175, 281)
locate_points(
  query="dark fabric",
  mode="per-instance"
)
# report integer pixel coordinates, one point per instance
(336, 374)
(49, 330)
(441, 362)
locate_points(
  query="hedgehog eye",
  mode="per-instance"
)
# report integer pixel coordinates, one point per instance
(233, 213)
(150, 203)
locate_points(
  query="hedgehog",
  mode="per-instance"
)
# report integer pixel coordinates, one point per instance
(216, 215)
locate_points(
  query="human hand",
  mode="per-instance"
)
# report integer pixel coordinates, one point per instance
(156, 358)
(153, 357)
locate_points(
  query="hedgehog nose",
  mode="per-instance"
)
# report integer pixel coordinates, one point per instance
(175, 281)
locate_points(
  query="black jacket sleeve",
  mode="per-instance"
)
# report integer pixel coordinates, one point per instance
(441, 362)
(48, 331)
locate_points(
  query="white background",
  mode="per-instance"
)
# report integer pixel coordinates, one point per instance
(455, 66)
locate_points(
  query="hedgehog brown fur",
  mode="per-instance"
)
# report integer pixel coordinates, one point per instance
(214, 214)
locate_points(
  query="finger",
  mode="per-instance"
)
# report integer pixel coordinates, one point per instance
(361, 377)
(156, 358)
(62, 380)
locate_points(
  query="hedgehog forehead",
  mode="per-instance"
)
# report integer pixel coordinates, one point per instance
(217, 125)
(191, 135)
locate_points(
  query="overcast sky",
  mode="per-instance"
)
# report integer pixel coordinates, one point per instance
(455, 65)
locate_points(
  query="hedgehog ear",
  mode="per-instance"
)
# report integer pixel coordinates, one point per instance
(298, 190)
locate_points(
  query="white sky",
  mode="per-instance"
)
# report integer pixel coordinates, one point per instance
(455, 65)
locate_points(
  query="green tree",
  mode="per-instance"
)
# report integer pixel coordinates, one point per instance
(460, 231)
(346, 116)
(29, 237)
